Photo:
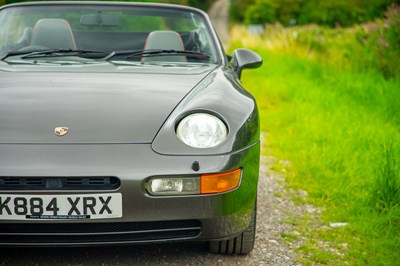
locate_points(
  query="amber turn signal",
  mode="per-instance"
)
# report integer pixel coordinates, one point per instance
(218, 183)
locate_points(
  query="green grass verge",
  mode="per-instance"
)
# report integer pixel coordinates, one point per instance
(341, 130)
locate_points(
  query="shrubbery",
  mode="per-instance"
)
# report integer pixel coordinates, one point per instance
(374, 45)
(383, 43)
(263, 11)
(329, 110)
(238, 8)
(323, 12)
(202, 4)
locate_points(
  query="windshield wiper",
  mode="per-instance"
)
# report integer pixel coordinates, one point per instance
(54, 53)
(65, 52)
(158, 52)
(12, 53)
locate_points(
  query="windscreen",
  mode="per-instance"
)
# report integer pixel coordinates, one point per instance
(106, 28)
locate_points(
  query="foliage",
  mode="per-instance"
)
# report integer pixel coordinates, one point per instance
(329, 112)
(324, 12)
(341, 12)
(202, 4)
(385, 196)
(383, 42)
(238, 8)
(374, 45)
(288, 11)
(261, 12)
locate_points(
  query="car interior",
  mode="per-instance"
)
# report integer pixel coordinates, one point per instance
(56, 33)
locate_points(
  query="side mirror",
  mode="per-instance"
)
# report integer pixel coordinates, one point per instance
(245, 59)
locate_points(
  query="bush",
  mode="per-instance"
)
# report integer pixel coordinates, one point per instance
(324, 12)
(238, 8)
(373, 46)
(389, 43)
(289, 11)
(381, 42)
(261, 12)
(202, 4)
(342, 12)
(337, 13)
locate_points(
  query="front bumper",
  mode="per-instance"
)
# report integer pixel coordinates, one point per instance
(145, 218)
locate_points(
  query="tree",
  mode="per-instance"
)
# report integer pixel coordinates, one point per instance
(202, 4)
(261, 12)
(238, 8)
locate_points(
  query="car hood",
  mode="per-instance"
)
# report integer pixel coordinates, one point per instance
(95, 107)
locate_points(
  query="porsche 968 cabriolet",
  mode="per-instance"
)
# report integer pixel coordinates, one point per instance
(124, 123)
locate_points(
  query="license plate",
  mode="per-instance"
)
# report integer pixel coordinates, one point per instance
(64, 207)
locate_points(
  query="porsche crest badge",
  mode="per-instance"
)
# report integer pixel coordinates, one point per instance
(60, 131)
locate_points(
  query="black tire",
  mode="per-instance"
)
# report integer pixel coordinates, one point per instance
(240, 245)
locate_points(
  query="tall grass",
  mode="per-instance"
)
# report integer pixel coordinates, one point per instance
(386, 190)
(330, 115)
(370, 46)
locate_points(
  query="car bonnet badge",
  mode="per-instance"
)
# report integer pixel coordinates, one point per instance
(60, 131)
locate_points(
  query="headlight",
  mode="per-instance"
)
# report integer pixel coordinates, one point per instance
(204, 184)
(201, 131)
(164, 186)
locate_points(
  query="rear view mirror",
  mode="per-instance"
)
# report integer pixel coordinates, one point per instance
(245, 59)
(99, 20)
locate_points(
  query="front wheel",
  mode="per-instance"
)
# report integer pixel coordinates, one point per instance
(241, 245)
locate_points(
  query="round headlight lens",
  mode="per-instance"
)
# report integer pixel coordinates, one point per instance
(201, 131)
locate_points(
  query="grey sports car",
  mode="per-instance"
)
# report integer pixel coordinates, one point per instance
(124, 123)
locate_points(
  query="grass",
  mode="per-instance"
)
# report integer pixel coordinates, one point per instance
(386, 190)
(339, 125)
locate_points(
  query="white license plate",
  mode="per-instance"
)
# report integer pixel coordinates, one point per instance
(64, 207)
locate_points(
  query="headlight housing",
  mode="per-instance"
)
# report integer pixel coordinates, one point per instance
(204, 184)
(201, 130)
